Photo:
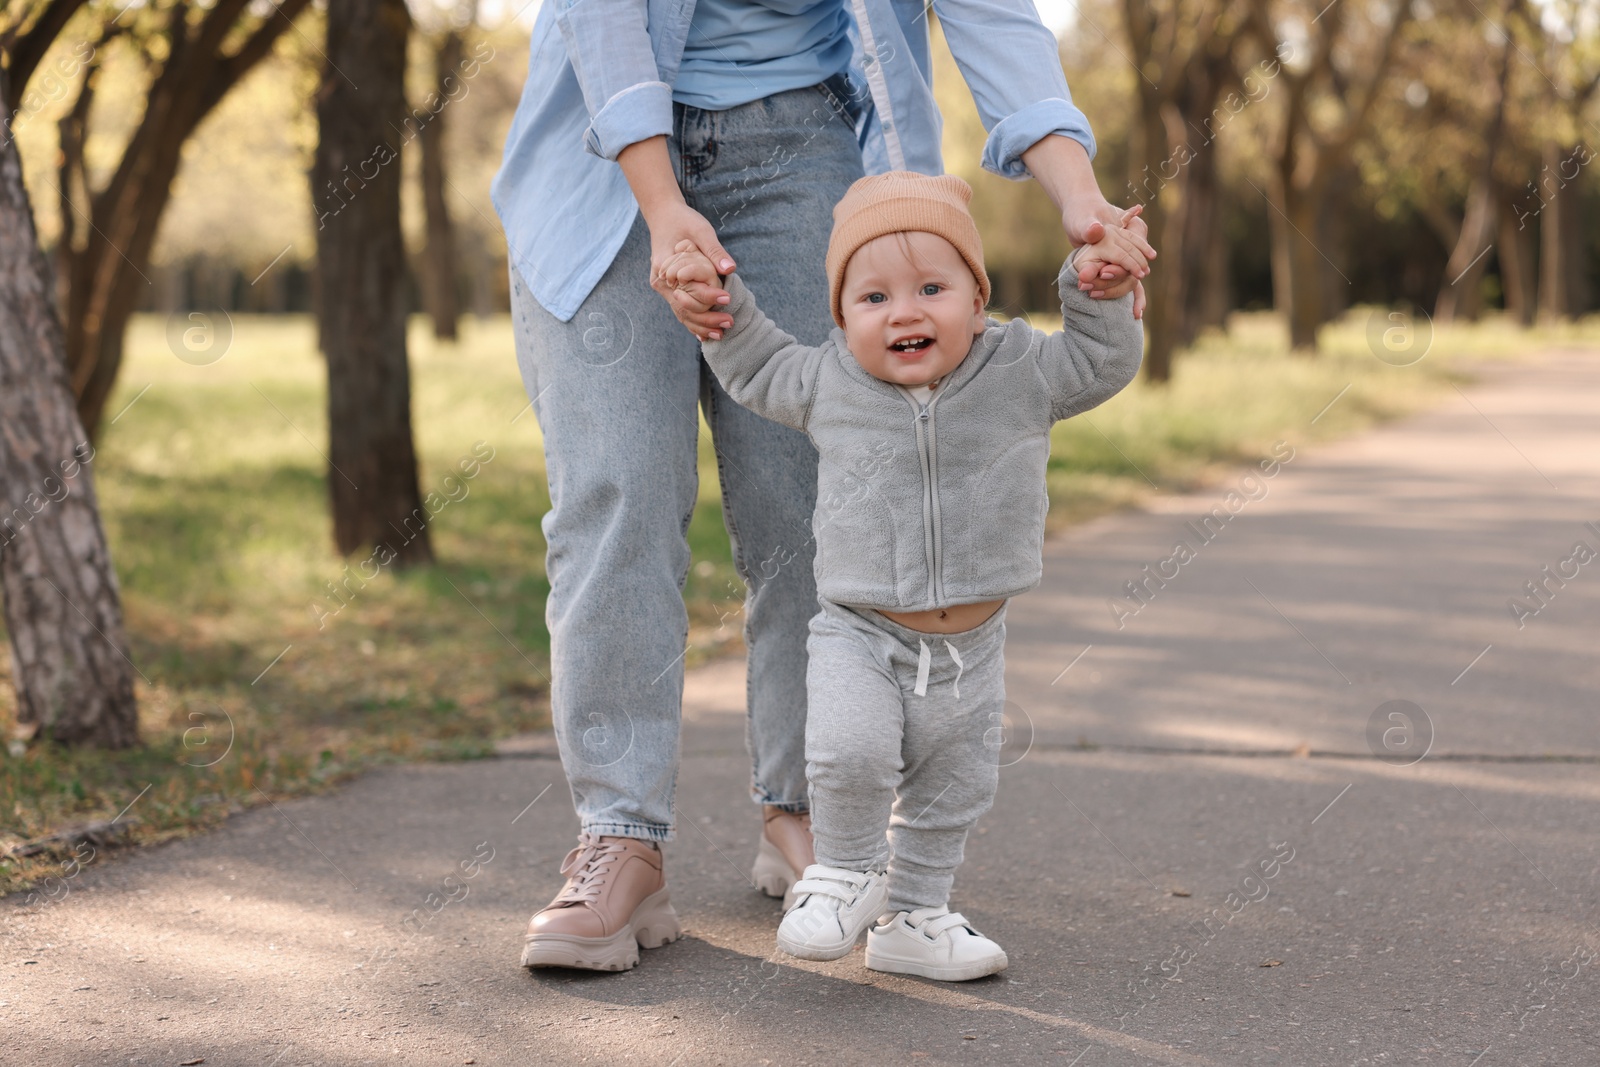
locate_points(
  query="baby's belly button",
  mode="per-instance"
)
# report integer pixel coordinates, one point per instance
(949, 620)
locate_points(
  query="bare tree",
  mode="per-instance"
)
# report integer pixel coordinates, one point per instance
(1571, 80)
(69, 656)
(1460, 295)
(1519, 260)
(195, 52)
(441, 269)
(355, 182)
(1182, 51)
(1335, 65)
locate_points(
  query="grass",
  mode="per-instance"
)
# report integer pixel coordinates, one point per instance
(252, 686)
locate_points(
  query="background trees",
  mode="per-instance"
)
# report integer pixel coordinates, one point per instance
(1424, 152)
(191, 56)
(1291, 154)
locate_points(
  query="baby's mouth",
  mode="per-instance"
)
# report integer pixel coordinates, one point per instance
(912, 344)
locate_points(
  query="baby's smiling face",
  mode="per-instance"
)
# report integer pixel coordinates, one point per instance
(911, 307)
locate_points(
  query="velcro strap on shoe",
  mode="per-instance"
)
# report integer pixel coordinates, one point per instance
(837, 882)
(939, 925)
(826, 888)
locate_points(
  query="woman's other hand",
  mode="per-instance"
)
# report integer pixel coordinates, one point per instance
(688, 280)
(648, 167)
(697, 302)
(1115, 258)
(1062, 167)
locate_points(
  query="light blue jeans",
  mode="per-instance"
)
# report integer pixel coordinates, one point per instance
(616, 392)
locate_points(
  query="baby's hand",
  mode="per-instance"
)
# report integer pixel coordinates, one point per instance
(1120, 246)
(692, 277)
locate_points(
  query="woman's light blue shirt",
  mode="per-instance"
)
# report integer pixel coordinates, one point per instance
(742, 50)
(601, 76)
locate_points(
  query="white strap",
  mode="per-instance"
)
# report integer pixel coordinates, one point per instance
(924, 661)
(826, 888)
(933, 922)
(832, 882)
(959, 666)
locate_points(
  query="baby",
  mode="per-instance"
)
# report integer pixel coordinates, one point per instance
(932, 424)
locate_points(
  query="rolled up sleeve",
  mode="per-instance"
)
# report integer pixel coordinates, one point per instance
(636, 113)
(1015, 134)
(608, 42)
(1012, 64)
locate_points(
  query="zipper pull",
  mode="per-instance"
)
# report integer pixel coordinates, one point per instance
(923, 414)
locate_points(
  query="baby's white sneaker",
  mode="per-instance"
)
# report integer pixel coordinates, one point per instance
(932, 943)
(831, 908)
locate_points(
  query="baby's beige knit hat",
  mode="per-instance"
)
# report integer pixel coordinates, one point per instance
(903, 200)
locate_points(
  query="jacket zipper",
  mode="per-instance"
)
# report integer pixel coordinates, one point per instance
(938, 518)
(932, 536)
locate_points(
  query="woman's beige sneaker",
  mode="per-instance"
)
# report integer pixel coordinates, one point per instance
(933, 943)
(785, 851)
(615, 900)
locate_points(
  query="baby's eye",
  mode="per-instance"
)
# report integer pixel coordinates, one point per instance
(932, 289)
(876, 298)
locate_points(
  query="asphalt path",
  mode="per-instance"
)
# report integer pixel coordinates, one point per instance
(1314, 794)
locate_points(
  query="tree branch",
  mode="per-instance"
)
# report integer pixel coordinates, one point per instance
(29, 50)
(253, 50)
(1357, 117)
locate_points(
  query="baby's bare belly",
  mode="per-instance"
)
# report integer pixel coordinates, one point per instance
(951, 620)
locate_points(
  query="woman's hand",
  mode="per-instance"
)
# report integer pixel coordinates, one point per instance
(1061, 166)
(695, 300)
(1114, 257)
(688, 270)
(648, 167)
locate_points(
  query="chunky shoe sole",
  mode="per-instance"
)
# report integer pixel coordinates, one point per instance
(654, 924)
(772, 873)
(950, 972)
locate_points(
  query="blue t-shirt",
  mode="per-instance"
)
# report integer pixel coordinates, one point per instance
(743, 50)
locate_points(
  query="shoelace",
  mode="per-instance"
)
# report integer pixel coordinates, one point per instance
(586, 868)
(843, 885)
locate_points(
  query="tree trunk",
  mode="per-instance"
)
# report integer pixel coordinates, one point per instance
(1297, 263)
(1307, 158)
(1206, 102)
(107, 275)
(1153, 169)
(1200, 230)
(1215, 297)
(440, 265)
(1519, 264)
(1563, 288)
(69, 655)
(1461, 294)
(361, 272)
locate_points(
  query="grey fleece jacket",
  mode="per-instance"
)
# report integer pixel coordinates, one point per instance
(928, 507)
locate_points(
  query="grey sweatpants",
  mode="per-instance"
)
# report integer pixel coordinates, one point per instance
(899, 776)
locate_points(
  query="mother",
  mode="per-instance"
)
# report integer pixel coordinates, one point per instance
(736, 124)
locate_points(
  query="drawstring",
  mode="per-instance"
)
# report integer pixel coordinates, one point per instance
(925, 661)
